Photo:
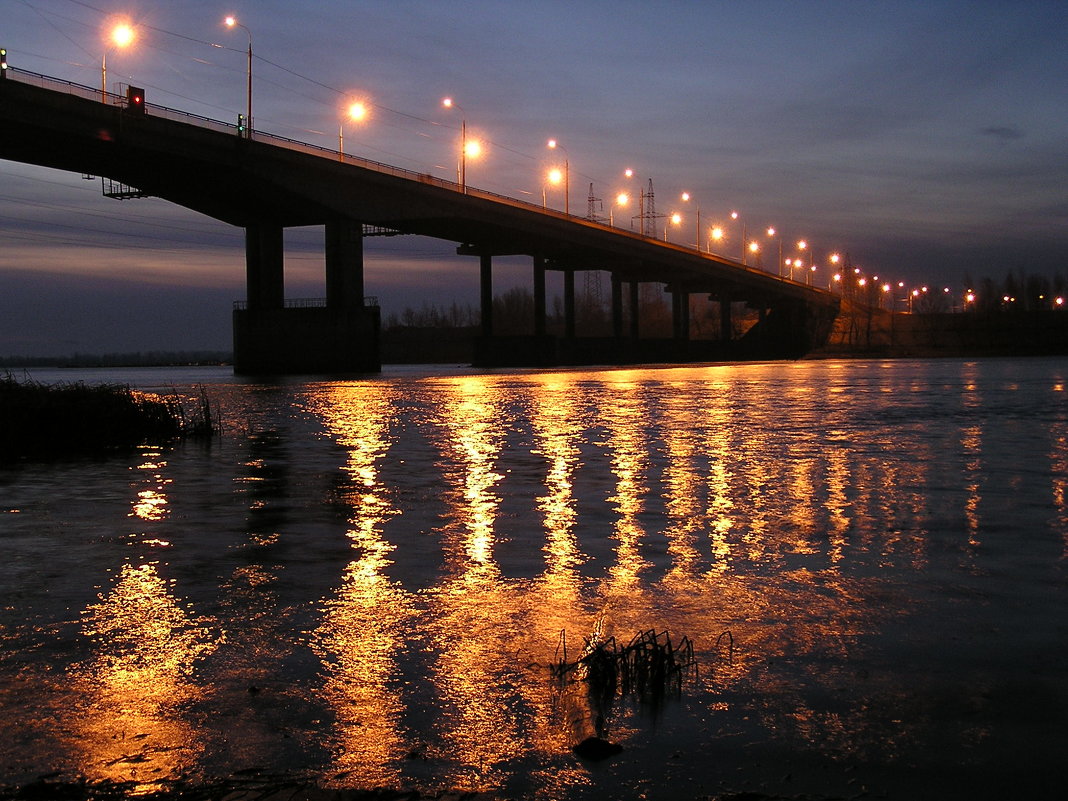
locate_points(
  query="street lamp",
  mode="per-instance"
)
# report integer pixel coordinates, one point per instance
(553, 144)
(231, 22)
(121, 36)
(686, 197)
(357, 112)
(777, 235)
(717, 236)
(675, 219)
(471, 148)
(622, 199)
(734, 216)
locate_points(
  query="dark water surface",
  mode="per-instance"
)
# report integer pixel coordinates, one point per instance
(363, 583)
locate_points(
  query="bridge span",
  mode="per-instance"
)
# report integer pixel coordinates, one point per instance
(265, 183)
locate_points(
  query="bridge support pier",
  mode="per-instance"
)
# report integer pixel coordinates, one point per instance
(344, 265)
(569, 304)
(726, 326)
(264, 266)
(485, 265)
(617, 307)
(271, 338)
(634, 303)
(539, 296)
(680, 315)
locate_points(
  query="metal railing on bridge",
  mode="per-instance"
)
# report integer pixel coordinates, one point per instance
(305, 303)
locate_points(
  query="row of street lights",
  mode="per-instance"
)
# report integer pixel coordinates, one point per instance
(123, 35)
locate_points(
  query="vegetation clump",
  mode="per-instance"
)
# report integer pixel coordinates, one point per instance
(648, 669)
(42, 421)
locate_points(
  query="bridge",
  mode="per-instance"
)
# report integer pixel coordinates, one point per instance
(265, 183)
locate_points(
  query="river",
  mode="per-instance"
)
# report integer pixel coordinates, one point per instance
(363, 583)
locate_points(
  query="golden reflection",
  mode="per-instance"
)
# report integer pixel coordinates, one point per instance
(151, 504)
(629, 449)
(1058, 460)
(558, 428)
(473, 611)
(838, 507)
(971, 441)
(365, 623)
(140, 678)
(683, 505)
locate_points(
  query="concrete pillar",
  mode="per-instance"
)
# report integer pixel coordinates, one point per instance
(680, 314)
(634, 329)
(485, 282)
(569, 304)
(344, 264)
(725, 327)
(617, 307)
(539, 296)
(264, 266)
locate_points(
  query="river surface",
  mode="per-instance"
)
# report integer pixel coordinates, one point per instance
(364, 583)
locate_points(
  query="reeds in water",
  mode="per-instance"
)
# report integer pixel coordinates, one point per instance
(42, 421)
(649, 667)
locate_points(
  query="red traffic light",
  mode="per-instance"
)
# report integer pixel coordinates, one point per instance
(135, 99)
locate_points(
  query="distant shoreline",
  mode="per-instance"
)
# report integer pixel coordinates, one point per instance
(873, 334)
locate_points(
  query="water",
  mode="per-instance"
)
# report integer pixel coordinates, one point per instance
(363, 583)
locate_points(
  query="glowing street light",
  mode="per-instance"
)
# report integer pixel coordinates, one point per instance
(676, 220)
(734, 216)
(231, 22)
(357, 112)
(121, 36)
(471, 148)
(686, 197)
(553, 145)
(717, 236)
(772, 233)
(622, 199)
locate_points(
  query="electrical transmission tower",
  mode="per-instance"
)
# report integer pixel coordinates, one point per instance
(594, 207)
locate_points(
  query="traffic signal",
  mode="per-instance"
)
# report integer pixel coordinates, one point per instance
(135, 99)
(241, 126)
(3, 62)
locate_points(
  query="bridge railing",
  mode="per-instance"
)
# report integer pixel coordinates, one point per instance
(306, 303)
(87, 92)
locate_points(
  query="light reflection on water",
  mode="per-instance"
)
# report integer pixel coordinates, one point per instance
(365, 581)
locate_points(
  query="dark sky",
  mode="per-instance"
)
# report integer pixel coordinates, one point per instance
(928, 140)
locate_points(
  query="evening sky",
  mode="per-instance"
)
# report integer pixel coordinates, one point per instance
(928, 140)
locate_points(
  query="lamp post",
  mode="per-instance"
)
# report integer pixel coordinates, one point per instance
(734, 216)
(622, 199)
(716, 235)
(802, 245)
(448, 102)
(231, 22)
(686, 197)
(675, 219)
(357, 112)
(122, 35)
(772, 233)
(553, 145)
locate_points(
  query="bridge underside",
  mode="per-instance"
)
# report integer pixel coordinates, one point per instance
(264, 185)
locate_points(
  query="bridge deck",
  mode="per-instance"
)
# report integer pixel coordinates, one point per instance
(206, 166)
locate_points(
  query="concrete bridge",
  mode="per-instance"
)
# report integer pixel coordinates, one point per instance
(266, 183)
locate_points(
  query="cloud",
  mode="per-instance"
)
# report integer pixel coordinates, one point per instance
(1003, 133)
